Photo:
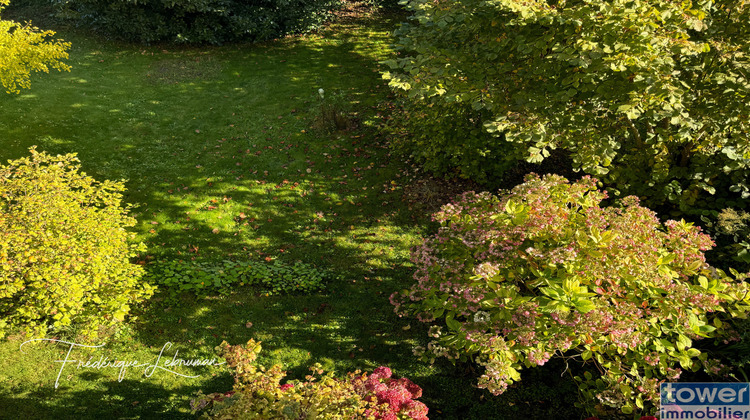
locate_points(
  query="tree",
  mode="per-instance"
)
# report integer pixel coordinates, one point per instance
(649, 95)
(25, 49)
(198, 21)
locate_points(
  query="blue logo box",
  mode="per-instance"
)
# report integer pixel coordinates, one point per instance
(705, 393)
(705, 400)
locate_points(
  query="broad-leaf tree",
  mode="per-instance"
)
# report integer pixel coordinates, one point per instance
(198, 21)
(649, 95)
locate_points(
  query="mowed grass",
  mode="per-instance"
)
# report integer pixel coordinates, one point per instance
(225, 156)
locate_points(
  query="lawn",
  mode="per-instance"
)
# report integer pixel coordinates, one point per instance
(227, 155)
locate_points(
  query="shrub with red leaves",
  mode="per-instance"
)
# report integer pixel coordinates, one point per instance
(394, 397)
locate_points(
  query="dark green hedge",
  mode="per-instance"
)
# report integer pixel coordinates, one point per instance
(198, 21)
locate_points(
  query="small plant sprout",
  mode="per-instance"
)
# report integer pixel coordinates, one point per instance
(333, 116)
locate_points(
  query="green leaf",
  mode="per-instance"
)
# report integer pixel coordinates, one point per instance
(452, 323)
(584, 306)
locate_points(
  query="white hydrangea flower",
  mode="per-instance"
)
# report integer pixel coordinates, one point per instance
(321, 92)
(435, 331)
(481, 316)
(486, 270)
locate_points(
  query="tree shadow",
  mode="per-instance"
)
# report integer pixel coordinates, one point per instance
(128, 399)
(226, 167)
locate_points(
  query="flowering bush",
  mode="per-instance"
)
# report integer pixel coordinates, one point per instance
(511, 281)
(258, 393)
(393, 397)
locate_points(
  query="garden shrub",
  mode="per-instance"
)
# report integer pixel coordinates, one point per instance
(64, 248)
(198, 21)
(386, 5)
(25, 49)
(648, 95)
(542, 271)
(450, 140)
(731, 230)
(271, 278)
(258, 393)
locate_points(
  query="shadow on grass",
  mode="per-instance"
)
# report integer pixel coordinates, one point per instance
(226, 166)
(129, 399)
(344, 335)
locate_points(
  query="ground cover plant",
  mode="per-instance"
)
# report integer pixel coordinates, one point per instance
(224, 154)
(270, 277)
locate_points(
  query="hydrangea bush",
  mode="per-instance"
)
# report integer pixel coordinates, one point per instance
(258, 393)
(393, 398)
(544, 271)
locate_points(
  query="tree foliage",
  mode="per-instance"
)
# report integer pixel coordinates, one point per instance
(25, 49)
(649, 95)
(64, 249)
(449, 140)
(198, 21)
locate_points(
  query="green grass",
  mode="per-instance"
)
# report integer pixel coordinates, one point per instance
(224, 155)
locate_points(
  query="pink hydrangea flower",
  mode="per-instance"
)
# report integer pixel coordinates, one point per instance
(381, 373)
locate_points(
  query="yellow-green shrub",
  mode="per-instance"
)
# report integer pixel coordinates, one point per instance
(259, 394)
(64, 248)
(26, 49)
